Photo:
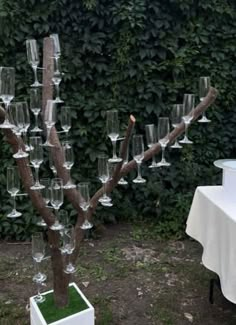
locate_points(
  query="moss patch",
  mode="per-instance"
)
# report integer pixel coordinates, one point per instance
(52, 314)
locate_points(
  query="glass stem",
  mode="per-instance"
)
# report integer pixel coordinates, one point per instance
(139, 170)
(14, 202)
(38, 289)
(163, 153)
(56, 64)
(35, 73)
(6, 113)
(69, 177)
(104, 190)
(36, 175)
(57, 90)
(48, 133)
(153, 160)
(114, 149)
(186, 130)
(36, 119)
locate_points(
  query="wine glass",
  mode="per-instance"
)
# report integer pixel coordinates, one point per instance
(138, 155)
(69, 246)
(38, 253)
(56, 50)
(122, 181)
(49, 120)
(17, 117)
(7, 92)
(66, 120)
(113, 132)
(188, 110)
(68, 163)
(176, 118)
(56, 79)
(151, 139)
(36, 159)
(85, 204)
(13, 187)
(163, 131)
(204, 87)
(35, 106)
(57, 200)
(33, 59)
(103, 175)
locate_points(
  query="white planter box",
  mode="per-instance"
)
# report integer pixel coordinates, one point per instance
(85, 317)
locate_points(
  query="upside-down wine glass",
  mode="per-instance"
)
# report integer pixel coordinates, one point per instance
(103, 175)
(204, 87)
(33, 59)
(36, 159)
(112, 123)
(69, 246)
(56, 50)
(35, 106)
(122, 181)
(85, 204)
(13, 187)
(57, 201)
(66, 120)
(163, 130)
(38, 253)
(68, 163)
(188, 110)
(49, 120)
(176, 118)
(7, 92)
(151, 139)
(17, 118)
(138, 155)
(56, 79)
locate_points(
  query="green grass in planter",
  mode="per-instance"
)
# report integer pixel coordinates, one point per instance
(51, 313)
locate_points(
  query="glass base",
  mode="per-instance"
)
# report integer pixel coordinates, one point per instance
(115, 160)
(36, 129)
(14, 214)
(6, 125)
(139, 180)
(36, 84)
(153, 165)
(104, 199)
(20, 154)
(122, 181)
(70, 269)
(86, 225)
(36, 187)
(176, 146)
(164, 163)
(204, 119)
(58, 100)
(107, 204)
(41, 223)
(39, 299)
(57, 226)
(47, 144)
(40, 277)
(186, 141)
(69, 186)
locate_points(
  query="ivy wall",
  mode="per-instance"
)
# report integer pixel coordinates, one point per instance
(140, 57)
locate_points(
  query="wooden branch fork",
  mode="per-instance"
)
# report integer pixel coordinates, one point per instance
(61, 279)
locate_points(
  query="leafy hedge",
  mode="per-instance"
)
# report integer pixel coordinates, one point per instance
(139, 57)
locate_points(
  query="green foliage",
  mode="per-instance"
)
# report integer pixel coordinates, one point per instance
(139, 57)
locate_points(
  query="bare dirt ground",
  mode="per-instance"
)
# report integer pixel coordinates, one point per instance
(130, 280)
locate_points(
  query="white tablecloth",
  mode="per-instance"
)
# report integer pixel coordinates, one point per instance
(212, 222)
